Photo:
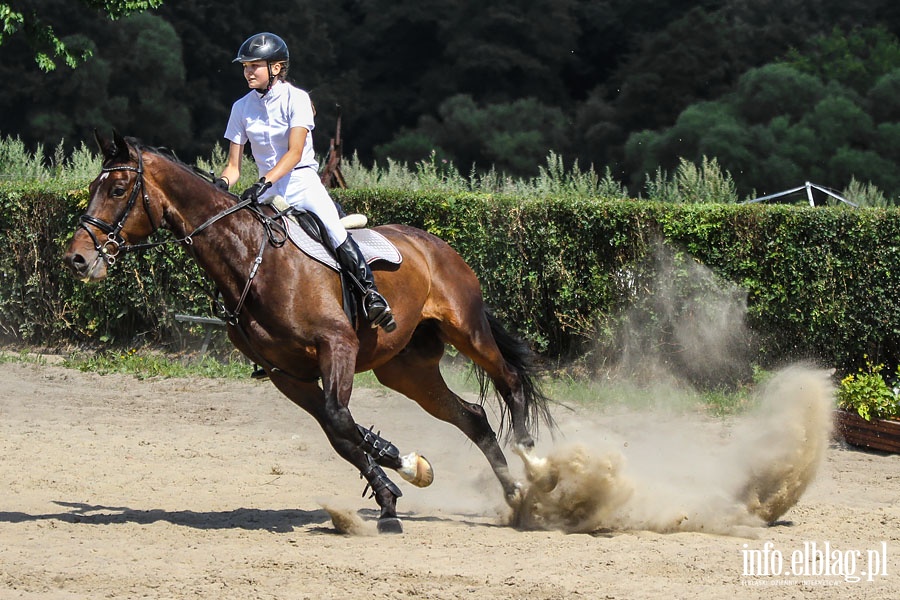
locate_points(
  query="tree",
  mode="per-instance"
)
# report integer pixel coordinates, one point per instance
(135, 82)
(855, 59)
(777, 89)
(609, 67)
(884, 97)
(15, 17)
(513, 137)
(779, 127)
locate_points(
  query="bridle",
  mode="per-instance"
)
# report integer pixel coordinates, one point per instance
(109, 249)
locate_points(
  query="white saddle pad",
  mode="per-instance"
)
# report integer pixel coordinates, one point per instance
(374, 246)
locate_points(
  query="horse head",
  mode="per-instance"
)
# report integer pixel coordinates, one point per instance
(115, 219)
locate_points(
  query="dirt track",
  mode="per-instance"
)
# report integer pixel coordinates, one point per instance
(120, 488)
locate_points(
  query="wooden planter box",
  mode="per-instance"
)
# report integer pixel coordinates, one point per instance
(877, 434)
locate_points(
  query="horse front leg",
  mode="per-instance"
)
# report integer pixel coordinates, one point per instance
(329, 406)
(344, 436)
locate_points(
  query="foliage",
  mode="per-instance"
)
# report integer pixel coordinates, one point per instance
(565, 270)
(511, 136)
(867, 393)
(486, 86)
(432, 175)
(865, 194)
(144, 364)
(22, 356)
(17, 15)
(855, 59)
(19, 165)
(692, 184)
(783, 126)
(107, 92)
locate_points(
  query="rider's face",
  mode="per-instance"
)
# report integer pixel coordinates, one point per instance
(257, 75)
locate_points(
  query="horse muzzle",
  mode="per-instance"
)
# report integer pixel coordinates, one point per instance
(89, 265)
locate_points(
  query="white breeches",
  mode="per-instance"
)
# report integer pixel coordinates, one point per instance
(303, 189)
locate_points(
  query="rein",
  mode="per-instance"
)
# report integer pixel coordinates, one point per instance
(109, 250)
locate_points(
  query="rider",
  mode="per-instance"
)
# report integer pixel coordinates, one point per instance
(277, 119)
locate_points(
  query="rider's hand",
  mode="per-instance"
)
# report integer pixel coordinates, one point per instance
(221, 183)
(254, 191)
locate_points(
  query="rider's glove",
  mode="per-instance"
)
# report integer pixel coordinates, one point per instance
(254, 191)
(221, 183)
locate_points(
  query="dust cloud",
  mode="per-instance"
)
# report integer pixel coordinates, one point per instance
(669, 473)
(661, 467)
(347, 521)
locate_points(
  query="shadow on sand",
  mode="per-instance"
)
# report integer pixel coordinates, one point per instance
(276, 521)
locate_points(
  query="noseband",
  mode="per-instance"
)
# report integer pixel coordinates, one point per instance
(115, 243)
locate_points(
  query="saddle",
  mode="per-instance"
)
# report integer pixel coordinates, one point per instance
(308, 234)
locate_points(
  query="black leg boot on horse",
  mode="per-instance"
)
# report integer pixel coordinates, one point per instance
(375, 307)
(412, 467)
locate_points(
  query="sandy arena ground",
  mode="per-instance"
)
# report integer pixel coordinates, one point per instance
(115, 487)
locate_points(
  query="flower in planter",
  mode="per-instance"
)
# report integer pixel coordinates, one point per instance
(869, 395)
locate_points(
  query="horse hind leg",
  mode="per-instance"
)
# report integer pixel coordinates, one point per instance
(507, 362)
(416, 374)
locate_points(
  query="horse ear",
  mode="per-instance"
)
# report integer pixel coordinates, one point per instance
(107, 147)
(121, 147)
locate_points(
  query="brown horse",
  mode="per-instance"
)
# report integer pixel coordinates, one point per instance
(284, 311)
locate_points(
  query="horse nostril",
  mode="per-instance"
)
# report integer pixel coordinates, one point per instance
(76, 262)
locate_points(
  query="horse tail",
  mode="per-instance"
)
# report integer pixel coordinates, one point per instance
(524, 361)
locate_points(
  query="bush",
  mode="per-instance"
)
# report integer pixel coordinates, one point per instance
(818, 281)
(867, 394)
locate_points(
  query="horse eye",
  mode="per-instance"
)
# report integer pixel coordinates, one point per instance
(118, 192)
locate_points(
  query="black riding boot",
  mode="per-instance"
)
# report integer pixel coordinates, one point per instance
(375, 306)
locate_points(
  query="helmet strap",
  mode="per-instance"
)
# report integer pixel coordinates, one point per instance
(271, 75)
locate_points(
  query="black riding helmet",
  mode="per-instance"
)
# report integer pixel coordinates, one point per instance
(264, 46)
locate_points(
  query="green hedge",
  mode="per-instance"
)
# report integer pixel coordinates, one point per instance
(42, 304)
(819, 283)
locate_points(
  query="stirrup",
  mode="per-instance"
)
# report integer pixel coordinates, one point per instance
(378, 312)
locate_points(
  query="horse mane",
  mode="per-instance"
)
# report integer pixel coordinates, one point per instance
(169, 154)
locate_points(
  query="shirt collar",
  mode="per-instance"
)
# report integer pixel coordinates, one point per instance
(278, 89)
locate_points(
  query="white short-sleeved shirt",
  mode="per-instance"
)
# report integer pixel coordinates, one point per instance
(265, 121)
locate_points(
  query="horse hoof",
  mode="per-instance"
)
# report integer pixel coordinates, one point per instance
(390, 525)
(539, 471)
(525, 453)
(515, 496)
(416, 470)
